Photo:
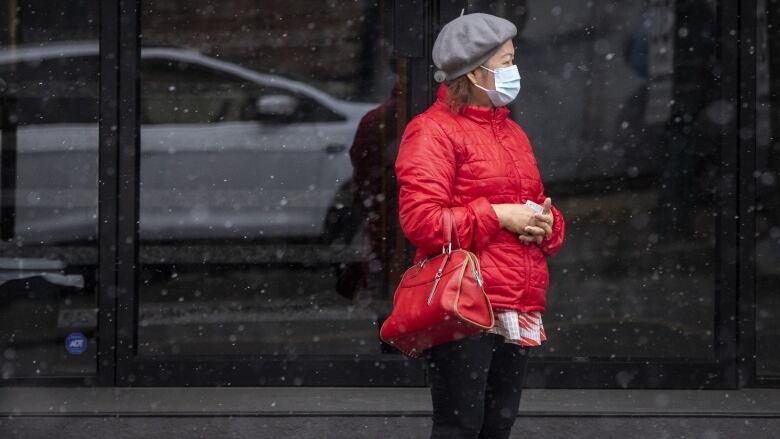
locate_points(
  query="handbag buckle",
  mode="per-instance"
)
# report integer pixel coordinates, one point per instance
(446, 249)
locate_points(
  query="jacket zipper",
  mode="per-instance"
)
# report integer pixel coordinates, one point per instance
(517, 176)
(494, 128)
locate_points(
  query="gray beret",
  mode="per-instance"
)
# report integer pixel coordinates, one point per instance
(467, 42)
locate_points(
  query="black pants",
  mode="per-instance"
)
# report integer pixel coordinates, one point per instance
(475, 387)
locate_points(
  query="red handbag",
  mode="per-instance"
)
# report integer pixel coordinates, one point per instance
(439, 299)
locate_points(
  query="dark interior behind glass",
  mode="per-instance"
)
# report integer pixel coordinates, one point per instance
(48, 188)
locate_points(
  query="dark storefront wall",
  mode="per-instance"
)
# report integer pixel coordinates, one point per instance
(247, 194)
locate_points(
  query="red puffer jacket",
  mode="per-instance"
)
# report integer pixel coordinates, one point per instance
(468, 161)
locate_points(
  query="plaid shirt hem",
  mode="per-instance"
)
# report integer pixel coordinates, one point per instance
(524, 329)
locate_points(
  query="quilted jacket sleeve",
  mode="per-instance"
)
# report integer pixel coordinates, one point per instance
(426, 169)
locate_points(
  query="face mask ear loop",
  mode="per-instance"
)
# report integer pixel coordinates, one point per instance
(479, 86)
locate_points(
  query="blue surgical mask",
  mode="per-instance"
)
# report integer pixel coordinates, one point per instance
(507, 80)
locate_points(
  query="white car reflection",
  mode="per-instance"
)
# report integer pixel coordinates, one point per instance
(226, 152)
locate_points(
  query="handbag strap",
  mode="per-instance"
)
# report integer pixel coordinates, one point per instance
(449, 230)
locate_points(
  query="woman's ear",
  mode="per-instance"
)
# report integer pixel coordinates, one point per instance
(472, 75)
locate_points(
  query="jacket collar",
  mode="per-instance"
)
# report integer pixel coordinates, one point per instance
(475, 112)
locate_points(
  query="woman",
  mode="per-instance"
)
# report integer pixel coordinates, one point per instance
(464, 153)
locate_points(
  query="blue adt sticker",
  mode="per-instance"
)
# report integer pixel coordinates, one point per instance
(76, 343)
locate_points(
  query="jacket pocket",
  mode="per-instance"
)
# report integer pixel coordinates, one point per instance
(539, 276)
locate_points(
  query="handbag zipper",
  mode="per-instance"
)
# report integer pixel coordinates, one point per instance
(433, 289)
(436, 279)
(475, 271)
(439, 273)
(477, 275)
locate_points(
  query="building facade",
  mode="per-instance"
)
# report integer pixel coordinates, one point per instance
(201, 193)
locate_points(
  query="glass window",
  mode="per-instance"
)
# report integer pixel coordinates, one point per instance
(768, 193)
(622, 103)
(48, 188)
(265, 196)
(177, 92)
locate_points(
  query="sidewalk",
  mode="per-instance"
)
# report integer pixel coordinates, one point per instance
(318, 412)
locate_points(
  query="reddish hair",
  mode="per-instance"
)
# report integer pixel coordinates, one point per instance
(458, 92)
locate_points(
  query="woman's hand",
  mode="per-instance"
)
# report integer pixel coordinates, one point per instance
(514, 217)
(531, 227)
(541, 225)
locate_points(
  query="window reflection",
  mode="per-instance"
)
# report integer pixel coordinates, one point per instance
(231, 153)
(262, 193)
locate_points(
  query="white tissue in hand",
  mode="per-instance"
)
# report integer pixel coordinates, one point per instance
(536, 207)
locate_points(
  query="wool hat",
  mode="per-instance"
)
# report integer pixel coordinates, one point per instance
(467, 42)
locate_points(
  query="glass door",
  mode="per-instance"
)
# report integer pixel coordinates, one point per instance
(265, 214)
(49, 109)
